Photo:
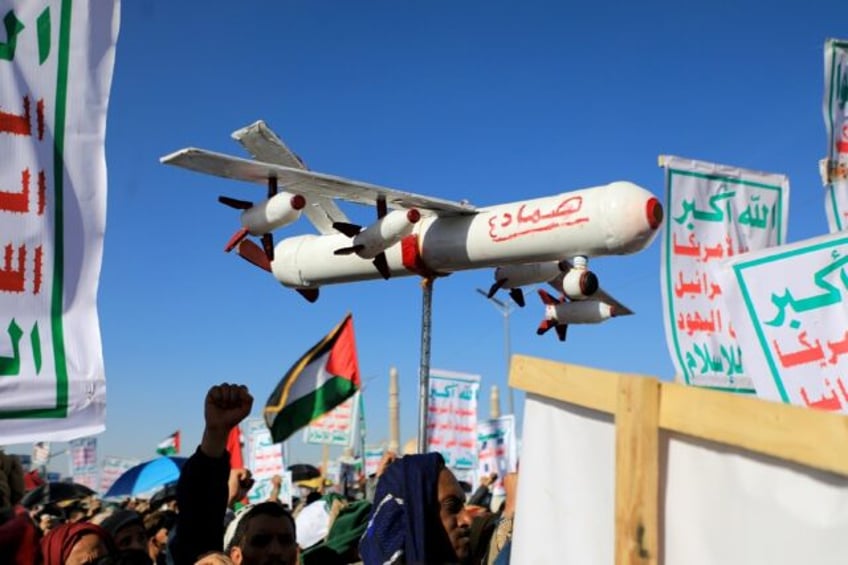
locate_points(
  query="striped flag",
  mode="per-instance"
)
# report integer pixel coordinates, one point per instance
(170, 445)
(323, 378)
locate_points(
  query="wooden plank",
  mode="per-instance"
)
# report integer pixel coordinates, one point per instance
(802, 435)
(590, 388)
(637, 471)
(792, 433)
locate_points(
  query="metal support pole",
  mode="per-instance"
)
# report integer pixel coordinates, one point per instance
(362, 429)
(505, 309)
(424, 366)
(507, 352)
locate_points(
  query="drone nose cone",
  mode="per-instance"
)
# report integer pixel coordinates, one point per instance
(654, 212)
(632, 216)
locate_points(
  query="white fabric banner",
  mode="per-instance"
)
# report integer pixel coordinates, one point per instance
(565, 511)
(53, 98)
(336, 427)
(788, 304)
(264, 459)
(835, 110)
(714, 212)
(452, 417)
(728, 506)
(496, 450)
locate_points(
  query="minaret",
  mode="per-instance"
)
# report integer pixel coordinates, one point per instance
(394, 412)
(494, 403)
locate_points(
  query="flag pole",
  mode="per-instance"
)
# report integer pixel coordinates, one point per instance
(362, 429)
(424, 367)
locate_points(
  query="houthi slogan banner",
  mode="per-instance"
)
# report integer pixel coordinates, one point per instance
(452, 417)
(265, 459)
(324, 377)
(336, 427)
(56, 60)
(791, 305)
(714, 212)
(372, 457)
(835, 109)
(84, 461)
(497, 450)
(112, 468)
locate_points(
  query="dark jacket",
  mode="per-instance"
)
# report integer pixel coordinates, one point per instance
(202, 495)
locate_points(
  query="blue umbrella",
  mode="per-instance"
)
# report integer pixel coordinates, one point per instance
(146, 477)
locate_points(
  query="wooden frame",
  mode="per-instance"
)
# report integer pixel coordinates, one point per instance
(643, 406)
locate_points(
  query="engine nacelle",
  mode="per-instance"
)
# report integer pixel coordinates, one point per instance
(385, 232)
(527, 274)
(578, 283)
(280, 210)
(579, 312)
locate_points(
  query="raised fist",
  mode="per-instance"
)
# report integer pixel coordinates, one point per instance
(226, 406)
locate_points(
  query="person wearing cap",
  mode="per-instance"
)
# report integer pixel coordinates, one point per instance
(262, 533)
(127, 530)
(157, 526)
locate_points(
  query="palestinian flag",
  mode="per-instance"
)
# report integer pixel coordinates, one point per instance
(170, 445)
(326, 376)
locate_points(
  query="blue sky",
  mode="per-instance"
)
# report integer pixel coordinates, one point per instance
(486, 101)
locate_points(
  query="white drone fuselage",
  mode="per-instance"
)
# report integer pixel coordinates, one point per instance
(614, 219)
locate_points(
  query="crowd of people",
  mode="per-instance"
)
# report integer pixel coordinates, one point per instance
(415, 512)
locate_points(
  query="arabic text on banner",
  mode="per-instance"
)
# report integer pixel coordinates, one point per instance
(714, 212)
(789, 304)
(264, 459)
(112, 468)
(835, 109)
(337, 426)
(84, 461)
(452, 417)
(497, 450)
(53, 96)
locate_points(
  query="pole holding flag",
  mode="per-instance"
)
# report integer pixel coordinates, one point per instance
(324, 377)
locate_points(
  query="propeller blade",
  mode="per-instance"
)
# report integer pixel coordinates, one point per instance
(272, 186)
(235, 203)
(310, 294)
(544, 326)
(382, 265)
(254, 254)
(350, 230)
(348, 250)
(547, 298)
(518, 296)
(236, 239)
(496, 287)
(268, 245)
(561, 330)
(382, 209)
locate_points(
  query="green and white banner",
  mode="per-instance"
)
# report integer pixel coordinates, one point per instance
(789, 305)
(56, 61)
(714, 212)
(835, 108)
